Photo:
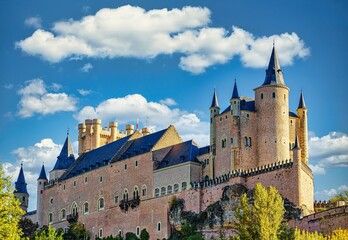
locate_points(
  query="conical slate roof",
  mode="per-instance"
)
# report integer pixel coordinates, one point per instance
(214, 102)
(274, 75)
(66, 156)
(20, 184)
(43, 174)
(302, 103)
(297, 143)
(235, 90)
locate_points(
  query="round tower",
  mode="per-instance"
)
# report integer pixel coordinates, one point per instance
(21, 192)
(81, 137)
(214, 110)
(235, 101)
(303, 129)
(129, 129)
(41, 181)
(113, 129)
(272, 109)
(96, 133)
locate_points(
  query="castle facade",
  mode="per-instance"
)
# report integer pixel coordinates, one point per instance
(124, 181)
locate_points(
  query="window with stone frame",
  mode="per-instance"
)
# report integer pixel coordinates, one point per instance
(100, 232)
(85, 208)
(157, 192)
(62, 214)
(176, 188)
(101, 204)
(143, 191)
(135, 192)
(169, 189)
(125, 195)
(50, 218)
(183, 186)
(163, 191)
(116, 198)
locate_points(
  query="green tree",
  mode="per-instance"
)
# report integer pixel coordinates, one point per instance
(131, 236)
(27, 227)
(76, 231)
(10, 210)
(261, 219)
(144, 235)
(48, 233)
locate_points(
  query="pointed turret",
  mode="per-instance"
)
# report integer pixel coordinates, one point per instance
(274, 75)
(301, 103)
(235, 93)
(21, 185)
(64, 160)
(21, 191)
(42, 175)
(297, 143)
(214, 102)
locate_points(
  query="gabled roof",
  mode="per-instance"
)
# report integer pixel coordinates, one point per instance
(301, 103)
(20, 184)
(180, 153)
(214, 102)
(66, 156)
(292, 114)
(274, 75)
(43, 173)
(235, 90)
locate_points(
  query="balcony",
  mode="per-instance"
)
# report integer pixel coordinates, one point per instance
(72, 218)
(131, 203)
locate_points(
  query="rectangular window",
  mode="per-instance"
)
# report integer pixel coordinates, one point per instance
(86, 180)
(100, 179)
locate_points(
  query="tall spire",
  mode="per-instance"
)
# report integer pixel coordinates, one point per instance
(42, 175)
(297, 143)
(20, 184)
(274, 75)
(214, 103)
(66, 156)
(302, 103)
(235, 90)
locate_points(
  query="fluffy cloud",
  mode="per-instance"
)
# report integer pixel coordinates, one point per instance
(84, 92)
(157, 115)
(33, 22)
(168, 102)
(32, 157)
(328, 151)
(326, 194)
(36, 100)
(87, 67)
(130, 31)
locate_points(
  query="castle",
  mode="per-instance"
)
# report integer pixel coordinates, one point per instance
(124, 181)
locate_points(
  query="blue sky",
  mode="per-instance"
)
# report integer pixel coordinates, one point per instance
(159, 61)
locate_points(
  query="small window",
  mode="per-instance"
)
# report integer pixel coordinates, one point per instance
(183, 186)
(157, 192)
(101, 204)
(100, 179)
(207, 161)
(169, 189)
(284, 96)
(245, 141)
(74, 209)
(135, 192)
(64, 187)
(226, 117)
(231, 140)
(51, 200)
(125, 166)
(136, 163)
(50, 218)
(116, 198)
(120, 233)
(100, 232)
(261, 95)
(163, 191)
(220, 119)
(62, 214)
(41, 191)
(249, 143)
(273, 95)
(125, 195)
(85, 208)
(86, 179)
(137, 231)
(74, 183)
(247, 115)
(143, 191)
(23, 198)
(176, 188)
(158, 227)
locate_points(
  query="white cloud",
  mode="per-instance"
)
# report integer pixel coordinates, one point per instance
(84, 92)
(158, 115)
(326, 194)
(32, 158)
(33, 22)
(36, 100)
(8, 86)
(130, 31)
(168, 102)
(87, 67)
(328, 151)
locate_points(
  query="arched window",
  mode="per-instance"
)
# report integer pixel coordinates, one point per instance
(62, 214)
(100, 232)
(158, 226)
(143, 191)
(183, 186)
(135, 192)
(273, 95)
(163, 191)
(116, 198)
(157, 192)
(125, 195)
(176, 188)
(261, 95)
(85, 208)
(73, 210)
(137, 231)
(50, 218)
(169, 189)
(101, 204)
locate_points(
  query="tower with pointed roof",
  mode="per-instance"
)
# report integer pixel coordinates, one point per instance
(235, 101)
(303, 128)
(21, 191)
(272, 110)
(41, 181)
(214, 110)
(64, 160)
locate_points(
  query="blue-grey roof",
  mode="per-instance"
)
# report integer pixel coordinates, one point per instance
(180, 153)
(214, 102)
(274, 75)
(203, 150)
(66, 156)
(244, 105)
(42, 173)
(291, 114)
(235, 90)
(297, 143)
(301, 103)
(20, 184)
